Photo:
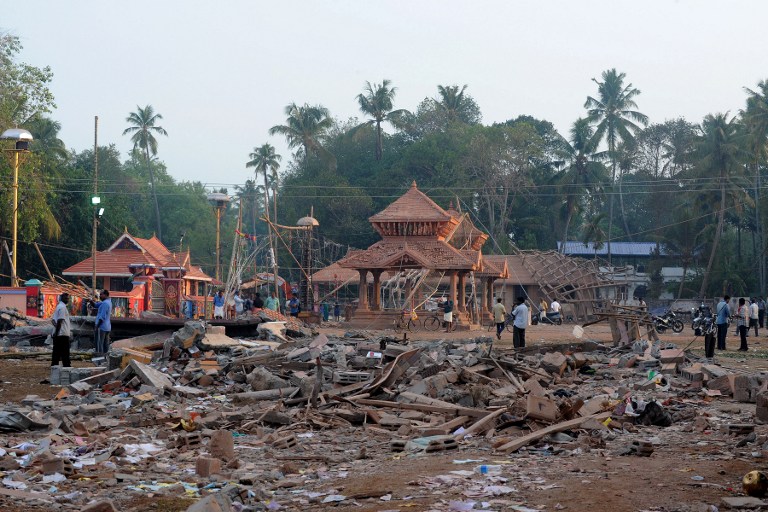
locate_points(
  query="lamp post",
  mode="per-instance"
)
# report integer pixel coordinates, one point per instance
(21, 149)
(306, 293)
(219, 202)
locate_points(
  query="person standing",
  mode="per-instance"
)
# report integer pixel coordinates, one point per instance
(238, 300)
(294, 305)
(723, 314)
(103, 322)
(218, 305)
(754, 315)
(742, 316)
(499, 317)
(337, 311)
(761, 311)
(62, 331)
(448, 314)
(555, 306)
(520, 313)
(272, 303)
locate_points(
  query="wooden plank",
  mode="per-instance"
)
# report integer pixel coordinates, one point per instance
(455, 410)
(483, 424)
(518, 443)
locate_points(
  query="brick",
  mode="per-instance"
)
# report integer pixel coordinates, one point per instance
(692, 374)
(207, 466)
(761, 410)
(92, 410)
(222, 445)
(745, 388)
(554, 362)
(53, 465)
(541, 408)
(80, 388)
(668, 368)
(672, 355)
(723, 384)
(100, 506)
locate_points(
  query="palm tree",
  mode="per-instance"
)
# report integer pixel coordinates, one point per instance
(615, 119)
(377, 102)
(720, 155)
(265, 159)
(756, 124)
(144, 128)
(585, 171)
(46, 137)
(452, 101)
(304, 127)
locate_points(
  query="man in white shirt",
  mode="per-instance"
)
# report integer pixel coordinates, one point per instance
(521, 322)
(238, 300)
(62, 330)
(754, 315)
(555, 306)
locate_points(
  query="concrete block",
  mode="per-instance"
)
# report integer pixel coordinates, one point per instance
(541, 408)
(745, 388)
(92, 409)
(579, 360)
(533, 387)
(207, 466)
(724, 384)
(222, 445)
(761, 410)
(672, 355)
(554, 362)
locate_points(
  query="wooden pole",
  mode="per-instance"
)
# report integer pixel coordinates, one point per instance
(95, 194)
(45, 265)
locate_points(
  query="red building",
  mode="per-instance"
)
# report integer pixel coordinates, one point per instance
(143, 275)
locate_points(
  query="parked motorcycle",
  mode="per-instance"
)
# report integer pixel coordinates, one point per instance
(549, 318)
(703, 322)
(668, 321)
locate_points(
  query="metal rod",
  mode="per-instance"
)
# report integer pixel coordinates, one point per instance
(14, 273)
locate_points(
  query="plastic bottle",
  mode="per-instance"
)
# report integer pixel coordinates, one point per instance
(488, 469)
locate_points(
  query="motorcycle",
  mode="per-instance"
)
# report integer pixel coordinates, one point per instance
(668, 321)
(703, 322)
(548, 318)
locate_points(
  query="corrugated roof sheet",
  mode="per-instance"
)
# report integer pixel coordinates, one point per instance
(577, 248)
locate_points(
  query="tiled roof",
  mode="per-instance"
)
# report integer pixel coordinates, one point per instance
(114, 263)
(336, 274)
(518, 274)
(617, 249)
(396, 252)
(414, 205)
(494, 266)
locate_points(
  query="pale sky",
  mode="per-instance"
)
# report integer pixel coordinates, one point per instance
(221, 73)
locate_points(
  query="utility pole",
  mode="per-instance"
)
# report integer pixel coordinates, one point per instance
(95, 199)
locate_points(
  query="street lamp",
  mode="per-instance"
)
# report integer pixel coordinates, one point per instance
(306, 293)
(219, 202)
(20, 150)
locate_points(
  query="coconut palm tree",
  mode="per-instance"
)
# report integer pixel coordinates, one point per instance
(720, 155)
(755, 118)
(46, 137)
(376, 100)
(584, 171)
(613, 113)
(144, 127)
(305, 127)
(265, 159)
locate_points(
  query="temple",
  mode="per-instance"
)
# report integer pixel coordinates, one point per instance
(420, 238)
(141, 274)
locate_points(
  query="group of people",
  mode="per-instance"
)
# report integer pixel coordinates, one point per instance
(748, 316)
(62, 327)
(238, 305)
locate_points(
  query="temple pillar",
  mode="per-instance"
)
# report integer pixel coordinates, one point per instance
(462, 292)
(362, 303)
(452, 287)
(489, 290)
(484, 296)
(376, 302)
(408, 294)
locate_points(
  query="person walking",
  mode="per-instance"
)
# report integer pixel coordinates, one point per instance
(742, 316)
(103, 322)
(723, 314)
(258, 303)
(62, 331)
(520, 313)
(337, 311)
(499, 317)
(754, 315)
(218, 305)
(448, 314)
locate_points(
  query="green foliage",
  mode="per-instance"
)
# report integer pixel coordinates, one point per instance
(24, 92)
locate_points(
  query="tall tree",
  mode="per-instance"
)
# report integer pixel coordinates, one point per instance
(584, 172)
(613, 112)
(755, 118)
(376, 100)
(143, 127)
(720, 155)
(457, 106)
(304, 128)
(265, 159)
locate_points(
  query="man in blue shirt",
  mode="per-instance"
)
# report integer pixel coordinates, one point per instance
(218, 305)
(520, 313)
(723, 314)
(103, 322)
(294, 305)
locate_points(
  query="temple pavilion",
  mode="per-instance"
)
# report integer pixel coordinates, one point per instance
(420, 239)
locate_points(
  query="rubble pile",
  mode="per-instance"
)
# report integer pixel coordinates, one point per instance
(281, 423)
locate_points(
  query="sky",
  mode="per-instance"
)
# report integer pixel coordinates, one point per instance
(221, 73)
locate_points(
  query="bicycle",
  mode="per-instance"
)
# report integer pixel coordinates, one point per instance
(411, 324)
(433, 322)
(508, 324)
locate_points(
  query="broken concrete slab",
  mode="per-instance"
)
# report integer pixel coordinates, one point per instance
(151, 376)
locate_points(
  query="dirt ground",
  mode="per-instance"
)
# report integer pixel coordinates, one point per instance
(594, 481)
